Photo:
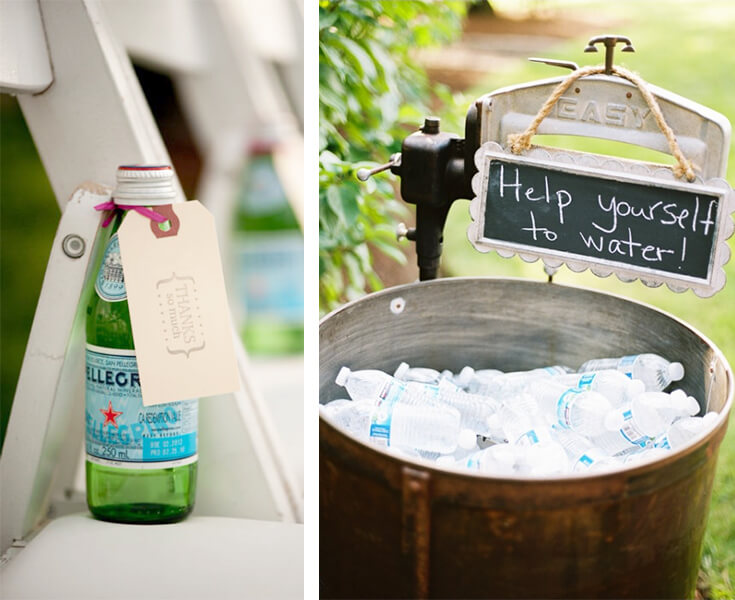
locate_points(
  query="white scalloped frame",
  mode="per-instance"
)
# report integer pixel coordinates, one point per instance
(607, 167)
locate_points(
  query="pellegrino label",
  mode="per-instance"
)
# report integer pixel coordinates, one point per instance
(120, 431)
(110, 283)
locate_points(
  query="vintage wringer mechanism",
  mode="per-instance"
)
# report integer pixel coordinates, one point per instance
(657, 223)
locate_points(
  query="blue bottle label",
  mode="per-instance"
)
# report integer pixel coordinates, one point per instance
(585, 381)
(631, 433)
(529, 438)
(270, 275)
(382, 413)
(110, 283)
(565, 405)
(626, 365)
(120, 431)
(663, 442)
(584, 462)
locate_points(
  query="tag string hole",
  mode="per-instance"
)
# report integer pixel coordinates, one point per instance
(165, 226)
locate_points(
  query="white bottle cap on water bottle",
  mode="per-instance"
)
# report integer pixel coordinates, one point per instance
(144, 185)
(467, 439)
(465, 376)
(401, 370)
(676, 371)
(342, 376)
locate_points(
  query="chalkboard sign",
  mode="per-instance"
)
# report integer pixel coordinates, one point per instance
(623, 219)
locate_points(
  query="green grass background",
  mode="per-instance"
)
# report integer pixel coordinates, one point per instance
(28, 218)
(688, 48)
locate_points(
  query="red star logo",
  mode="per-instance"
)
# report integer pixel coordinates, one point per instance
(110, 415)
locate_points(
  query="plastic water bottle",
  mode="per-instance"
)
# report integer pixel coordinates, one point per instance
(449, 380)
(419, 374)
(522, 427)
(499, 459)
(388, 413)
(656, 372)
(683, 430)
(399, 422)
(444, 379)
(470, 447)
(546, 458)
(352, 416)
(549, 371)
(468, 377)
(615, 386)
(671, 406)
(495, 432)
(583, 411)
(366, 384)
(330, 409)
(583, 455)
(507, 384)
(636, 423)
(474, 410)
(540, 454)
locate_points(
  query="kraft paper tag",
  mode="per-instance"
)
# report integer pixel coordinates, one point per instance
(178, 305)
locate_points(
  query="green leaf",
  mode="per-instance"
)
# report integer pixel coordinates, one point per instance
(389, 250)
(327, 19)
(355, 274)
(361, 59)
(343, 203)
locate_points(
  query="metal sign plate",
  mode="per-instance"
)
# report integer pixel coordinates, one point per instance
(611, 108)
(610, 215)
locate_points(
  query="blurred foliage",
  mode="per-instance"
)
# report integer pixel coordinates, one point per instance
(27, 224)
(369, 89)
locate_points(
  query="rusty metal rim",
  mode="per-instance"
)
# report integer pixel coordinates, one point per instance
(641, 468)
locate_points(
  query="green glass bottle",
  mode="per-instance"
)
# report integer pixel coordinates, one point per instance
(141, 460)
(268, 260)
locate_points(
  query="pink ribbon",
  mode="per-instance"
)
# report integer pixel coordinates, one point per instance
(113, 208)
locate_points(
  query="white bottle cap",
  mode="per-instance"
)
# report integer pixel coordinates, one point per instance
(465, 376)
(401, 370)
(467, 439)
(678, 396)
(676, 371)
(144, 185)
(636, 386)
(692, 406)
(342, 376)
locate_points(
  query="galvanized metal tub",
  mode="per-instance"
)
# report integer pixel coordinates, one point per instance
(400, 528)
